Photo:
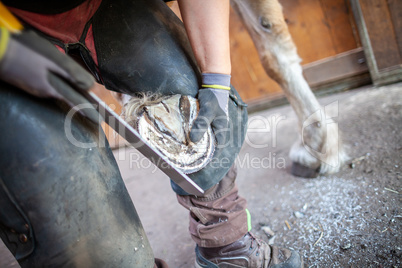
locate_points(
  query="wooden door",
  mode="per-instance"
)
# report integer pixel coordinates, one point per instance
(380, 28)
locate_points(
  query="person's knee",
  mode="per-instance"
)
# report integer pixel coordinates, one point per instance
(222, 187)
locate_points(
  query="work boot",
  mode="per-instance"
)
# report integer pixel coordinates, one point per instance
(247, 252)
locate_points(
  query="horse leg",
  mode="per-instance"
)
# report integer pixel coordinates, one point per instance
(318, 149)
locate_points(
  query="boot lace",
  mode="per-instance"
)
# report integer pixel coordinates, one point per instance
(256, 241)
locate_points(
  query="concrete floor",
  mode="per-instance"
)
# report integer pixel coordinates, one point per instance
(349, 219)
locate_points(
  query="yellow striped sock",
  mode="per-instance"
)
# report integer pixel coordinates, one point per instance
(216, 86)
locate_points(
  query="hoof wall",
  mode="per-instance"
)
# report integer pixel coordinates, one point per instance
(300, 170)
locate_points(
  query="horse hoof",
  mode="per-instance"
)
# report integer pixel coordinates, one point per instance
(300, 170)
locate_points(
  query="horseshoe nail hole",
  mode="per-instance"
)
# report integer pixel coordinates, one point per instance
(266, 25)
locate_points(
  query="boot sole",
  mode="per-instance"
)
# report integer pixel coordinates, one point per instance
(196, 265)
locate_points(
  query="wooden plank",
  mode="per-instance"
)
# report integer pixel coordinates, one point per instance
(353, 24)
(387, 74)
(395, 8)
(381, 32)
(339, 20)
(327, 76)
(336, 68)
(271, 101)
(312, 37)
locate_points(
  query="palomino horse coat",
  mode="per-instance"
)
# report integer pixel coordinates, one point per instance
(318, 149)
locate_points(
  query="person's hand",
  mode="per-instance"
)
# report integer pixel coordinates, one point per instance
(33, 64)
(213, 99)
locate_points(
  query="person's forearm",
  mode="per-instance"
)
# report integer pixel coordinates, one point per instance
(207, 26)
